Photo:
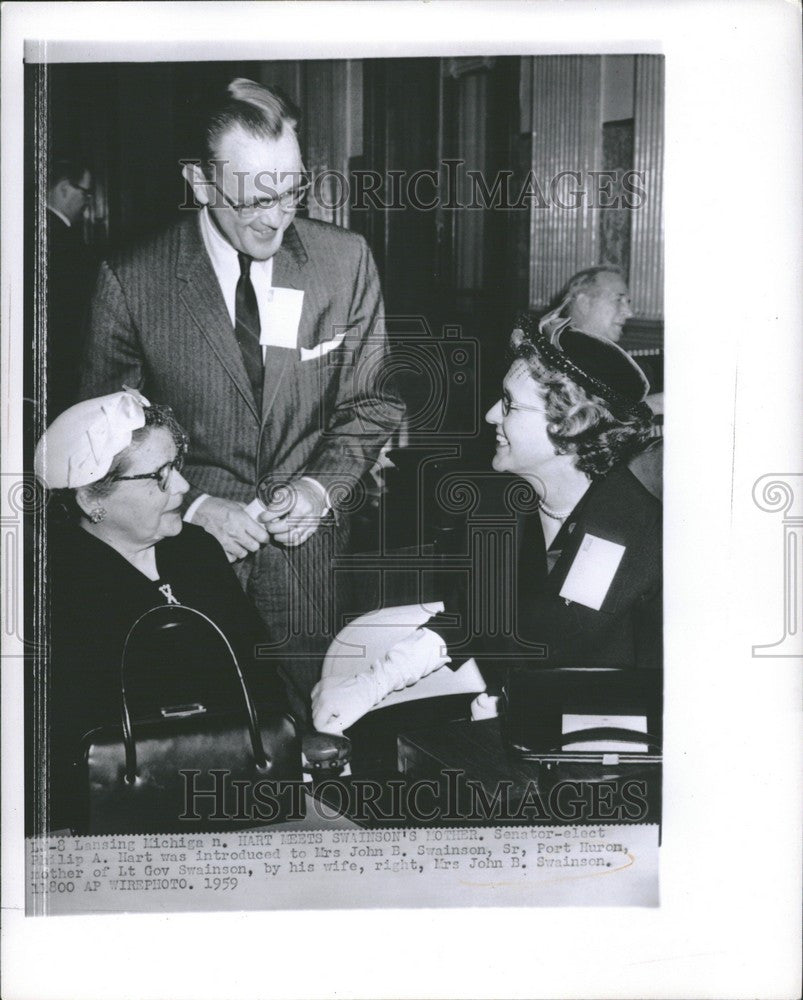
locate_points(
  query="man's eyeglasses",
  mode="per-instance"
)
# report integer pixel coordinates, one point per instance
(288, 201)
(162, 475)
(508, 405)
(87, 192)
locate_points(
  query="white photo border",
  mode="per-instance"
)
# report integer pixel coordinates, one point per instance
(728, 924)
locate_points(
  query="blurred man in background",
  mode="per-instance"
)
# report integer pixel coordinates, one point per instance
(68, 280)
(597, 301)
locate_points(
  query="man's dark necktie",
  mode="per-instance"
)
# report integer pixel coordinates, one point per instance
(246, 327)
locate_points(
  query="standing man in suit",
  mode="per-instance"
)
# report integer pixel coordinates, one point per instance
(265, 333)
(69, 276)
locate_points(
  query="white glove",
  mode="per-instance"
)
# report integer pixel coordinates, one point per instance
(485, 706)
(338, 702)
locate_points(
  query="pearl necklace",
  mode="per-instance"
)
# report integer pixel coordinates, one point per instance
(556, 515)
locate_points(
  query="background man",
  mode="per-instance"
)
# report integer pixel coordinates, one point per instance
(598, 302)
(264, 332)
(70, 272)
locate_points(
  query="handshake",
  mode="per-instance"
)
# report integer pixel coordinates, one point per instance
(338, 702)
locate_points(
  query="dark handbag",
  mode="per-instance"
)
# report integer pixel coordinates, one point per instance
(189, 766)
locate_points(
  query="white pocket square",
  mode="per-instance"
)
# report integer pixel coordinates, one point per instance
(318, 351)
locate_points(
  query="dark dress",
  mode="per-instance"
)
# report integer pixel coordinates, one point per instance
(625, 631)
(95, 597)
(550, 631)
(518, 625)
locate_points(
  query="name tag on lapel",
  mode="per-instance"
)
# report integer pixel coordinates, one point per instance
(280, 317)
(592, 571)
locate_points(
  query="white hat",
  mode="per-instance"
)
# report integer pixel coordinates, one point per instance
(80, 445)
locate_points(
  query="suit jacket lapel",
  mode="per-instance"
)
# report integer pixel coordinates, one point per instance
(288, 265)
(203, 300)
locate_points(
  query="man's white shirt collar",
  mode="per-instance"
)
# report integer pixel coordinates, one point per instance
(226, 266)
(63, 218)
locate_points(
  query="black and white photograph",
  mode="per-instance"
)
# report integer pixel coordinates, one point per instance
(409, 513)
(340, 535)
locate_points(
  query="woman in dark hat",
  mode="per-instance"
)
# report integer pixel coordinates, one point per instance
(571, 422)
(114, 466)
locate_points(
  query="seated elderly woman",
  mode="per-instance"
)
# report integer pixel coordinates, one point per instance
(115, 464)
(572, 423)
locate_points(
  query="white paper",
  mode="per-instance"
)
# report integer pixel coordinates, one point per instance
(280, 318)
(592, 571)
(732, 90)
(255, 508)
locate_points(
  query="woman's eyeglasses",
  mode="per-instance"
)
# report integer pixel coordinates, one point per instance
(162, 475)
(508, 405)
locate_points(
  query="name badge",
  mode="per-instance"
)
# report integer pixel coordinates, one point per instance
(280, 317)
(592, 571)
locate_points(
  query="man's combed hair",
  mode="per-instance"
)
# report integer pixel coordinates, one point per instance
(581, 424)
(583, 281)
(262, 111)
(586, 281)
(71, 168)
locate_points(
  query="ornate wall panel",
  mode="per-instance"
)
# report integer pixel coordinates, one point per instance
(647, 247)
(566, 137)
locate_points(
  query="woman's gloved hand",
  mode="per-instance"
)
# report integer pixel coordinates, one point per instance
(338, 702)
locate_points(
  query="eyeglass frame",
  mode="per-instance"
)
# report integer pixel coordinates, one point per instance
(87, 192)
(162, 478)
(274, 201)
(508, 405)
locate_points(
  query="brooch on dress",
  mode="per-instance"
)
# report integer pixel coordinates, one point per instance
(167, 592)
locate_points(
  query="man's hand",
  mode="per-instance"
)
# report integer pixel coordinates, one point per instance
(227, 520)
(294, 512)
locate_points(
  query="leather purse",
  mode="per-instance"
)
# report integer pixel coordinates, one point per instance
(188, 766)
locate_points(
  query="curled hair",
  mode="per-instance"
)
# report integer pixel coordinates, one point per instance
(580, 423)
(156, 415)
